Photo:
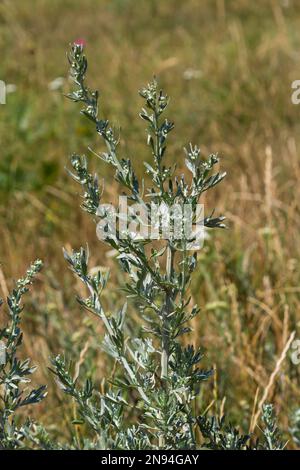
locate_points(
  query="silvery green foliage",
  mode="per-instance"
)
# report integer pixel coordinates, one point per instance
(156, 368)
(165, 375)
(157, 379)
(14, 372)
(295, 427)
(271, 439)
(221, 436)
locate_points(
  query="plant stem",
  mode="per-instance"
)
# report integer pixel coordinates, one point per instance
(165, 315)
(165, 327)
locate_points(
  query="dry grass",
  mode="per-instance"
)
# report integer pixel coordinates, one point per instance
(241, 58)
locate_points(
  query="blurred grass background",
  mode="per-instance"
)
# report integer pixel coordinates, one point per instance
(228, 67)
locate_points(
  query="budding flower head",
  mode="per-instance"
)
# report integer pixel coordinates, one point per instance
(80, 43)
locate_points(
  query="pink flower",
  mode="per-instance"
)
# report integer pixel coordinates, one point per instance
(80, 42)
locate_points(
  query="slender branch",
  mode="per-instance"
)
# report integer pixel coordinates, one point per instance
(165, 314)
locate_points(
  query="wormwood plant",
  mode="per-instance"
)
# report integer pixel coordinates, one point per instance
(156, 367)
(148, 400)
(14, 372)
(164, 373)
